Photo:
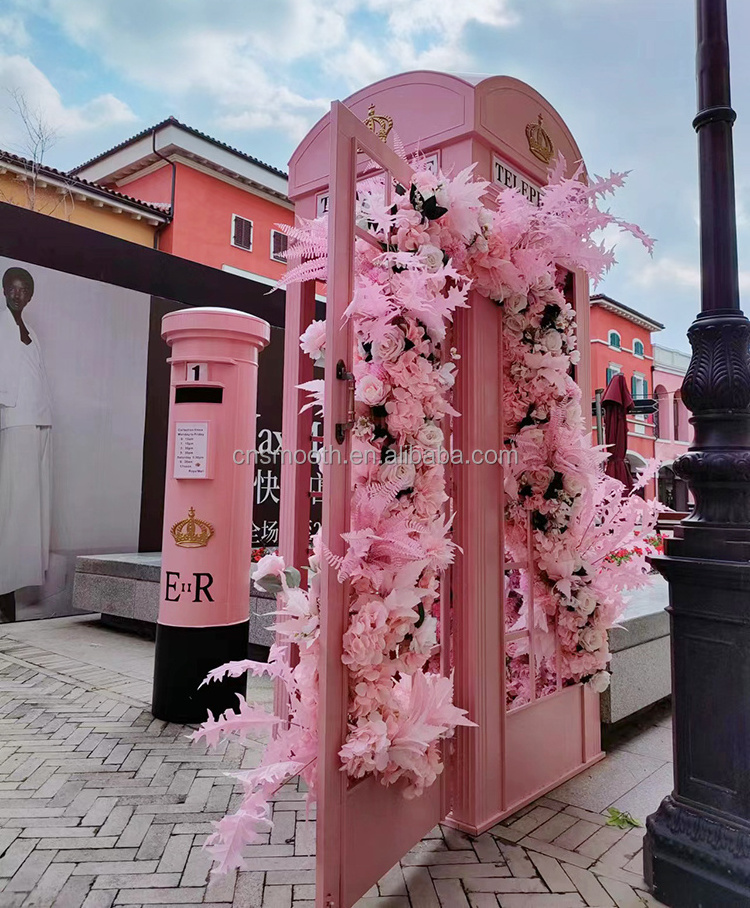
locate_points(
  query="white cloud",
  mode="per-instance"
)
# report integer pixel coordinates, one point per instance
(13, 32)
(669, 272)
(267, 66)
(20, 77)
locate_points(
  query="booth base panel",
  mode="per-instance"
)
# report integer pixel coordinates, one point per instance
(547, 743)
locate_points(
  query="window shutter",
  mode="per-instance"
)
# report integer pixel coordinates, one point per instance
(645, 387)
(243, 233)
(634, 387)
(610, 373)
(280, 243)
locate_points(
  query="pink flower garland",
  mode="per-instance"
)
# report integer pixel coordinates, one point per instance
(437, 241)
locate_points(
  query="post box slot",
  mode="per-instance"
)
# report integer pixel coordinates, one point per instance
(198, 395)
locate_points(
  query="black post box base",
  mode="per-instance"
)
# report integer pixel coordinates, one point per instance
(693, 859)
(183, 658)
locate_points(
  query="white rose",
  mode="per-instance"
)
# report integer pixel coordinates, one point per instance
(572, 485)
(313, 342)
(599, 682)
(446, 374)
(425, 636)
(370, 390)
(390, 346)
(541, 478)
(484, 216)
(431, 258)
(441, 196)
(515, 303)
(399, 470)
(430, 435)
(552, 341)
(593, 639)
(515, 323)
(584, 602)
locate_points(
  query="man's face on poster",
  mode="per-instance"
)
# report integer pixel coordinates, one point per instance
(17, 294)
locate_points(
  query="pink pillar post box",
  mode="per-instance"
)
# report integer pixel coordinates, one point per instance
(206, 544)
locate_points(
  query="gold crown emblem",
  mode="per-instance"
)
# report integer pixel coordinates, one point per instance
(380, 124)
(540, 144)
(192, 533)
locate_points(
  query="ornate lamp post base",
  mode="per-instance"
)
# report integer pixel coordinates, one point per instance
(695, 860)
(697, 846)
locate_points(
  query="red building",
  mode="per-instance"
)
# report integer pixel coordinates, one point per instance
(224, 203)
(621, 342)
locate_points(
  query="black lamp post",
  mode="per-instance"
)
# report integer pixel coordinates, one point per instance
(697, 845)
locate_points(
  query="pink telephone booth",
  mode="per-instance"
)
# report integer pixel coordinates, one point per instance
(524, 745)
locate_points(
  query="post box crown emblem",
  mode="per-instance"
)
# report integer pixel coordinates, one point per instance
(192, 533)
(540, 144)
(380, 124)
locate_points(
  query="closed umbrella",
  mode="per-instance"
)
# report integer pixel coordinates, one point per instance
(617, 401)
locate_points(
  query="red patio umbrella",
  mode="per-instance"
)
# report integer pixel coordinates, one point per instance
(617, 401)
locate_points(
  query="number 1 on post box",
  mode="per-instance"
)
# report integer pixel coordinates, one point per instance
(197, 372)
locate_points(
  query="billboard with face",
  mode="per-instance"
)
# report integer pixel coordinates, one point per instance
(73, 369)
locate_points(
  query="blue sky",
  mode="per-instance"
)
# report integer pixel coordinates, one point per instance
(258, 75)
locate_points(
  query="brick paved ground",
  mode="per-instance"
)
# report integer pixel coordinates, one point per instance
(101, 805)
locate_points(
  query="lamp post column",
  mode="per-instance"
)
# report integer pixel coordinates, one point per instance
(697, 845)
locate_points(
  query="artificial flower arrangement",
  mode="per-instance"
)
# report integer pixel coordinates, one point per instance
(438, 240)
(651, 545)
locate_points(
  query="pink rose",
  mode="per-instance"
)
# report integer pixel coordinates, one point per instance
(390, 345)
(370, 390)
(593, 639)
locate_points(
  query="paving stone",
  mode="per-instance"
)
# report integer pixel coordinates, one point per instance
(277, 897)
(48, 888)
(504, 885)
(175, 854)
(392, 883)
(136, 880)
(576, 834)
(118, 867)
(552, 873)
(486, 848)
(181, 896)
(419, 885)
(517, 860)
(30, 872)
(588, 886)
(82, 855)
(469, 871)
(601, 841)
(624, 895)
(98, 898)
(451, 894)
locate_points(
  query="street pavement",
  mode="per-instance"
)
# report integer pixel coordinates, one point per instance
(102, 805)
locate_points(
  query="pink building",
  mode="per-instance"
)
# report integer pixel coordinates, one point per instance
(672, 430)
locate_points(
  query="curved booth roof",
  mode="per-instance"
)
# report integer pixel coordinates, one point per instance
(432, 110)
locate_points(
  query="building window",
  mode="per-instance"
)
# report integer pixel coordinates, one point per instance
(242, 233)
(638, 348)
(279, 243)
(614, 340)
(612, 370)
(638, 387)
